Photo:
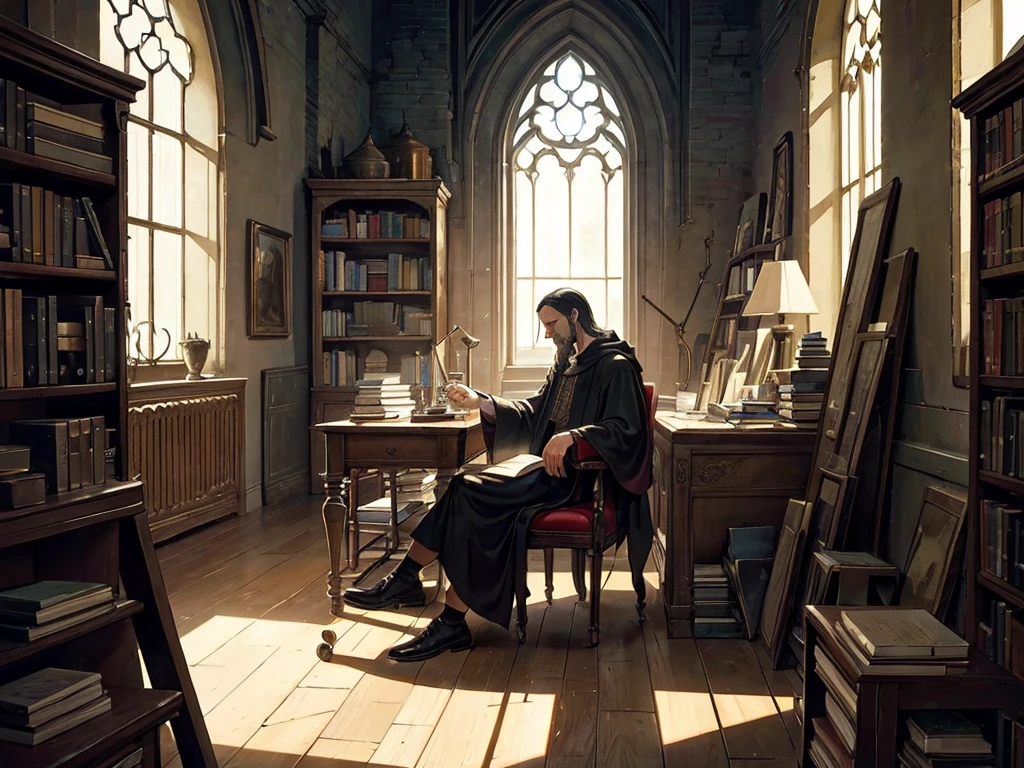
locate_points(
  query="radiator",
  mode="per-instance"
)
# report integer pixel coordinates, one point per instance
(187, 445)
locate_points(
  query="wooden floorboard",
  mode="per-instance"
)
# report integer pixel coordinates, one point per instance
(248, 595)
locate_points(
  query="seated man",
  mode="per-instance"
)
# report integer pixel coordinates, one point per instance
(478, 527)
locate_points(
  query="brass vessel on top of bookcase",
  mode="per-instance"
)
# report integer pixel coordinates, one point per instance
(63, 400)
(378, 251)
(995, 559)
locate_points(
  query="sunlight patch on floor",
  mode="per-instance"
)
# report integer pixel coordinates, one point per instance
(684, 715)
(737, 709)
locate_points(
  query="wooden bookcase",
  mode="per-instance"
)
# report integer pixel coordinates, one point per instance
(99, 532)
(350, 199)
(995, 581)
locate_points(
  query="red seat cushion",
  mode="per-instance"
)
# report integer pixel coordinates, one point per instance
(574, 519)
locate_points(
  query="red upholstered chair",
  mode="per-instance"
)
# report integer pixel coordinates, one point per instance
(587, 528)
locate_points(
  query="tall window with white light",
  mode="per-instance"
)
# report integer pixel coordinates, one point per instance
(984, 31)
(567, 156)
(174, 169)
(861, 114)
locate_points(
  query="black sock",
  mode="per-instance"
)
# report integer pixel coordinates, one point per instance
(408, 569)
(452, 615)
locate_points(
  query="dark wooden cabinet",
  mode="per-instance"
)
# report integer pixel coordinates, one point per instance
(709, 477)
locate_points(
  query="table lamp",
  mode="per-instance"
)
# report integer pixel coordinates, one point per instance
(469, 342)
(781, 289)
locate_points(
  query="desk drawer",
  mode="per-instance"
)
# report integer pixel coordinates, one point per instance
(748, 471)
(402, 447)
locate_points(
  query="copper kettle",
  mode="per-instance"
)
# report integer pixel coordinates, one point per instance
(410, 158)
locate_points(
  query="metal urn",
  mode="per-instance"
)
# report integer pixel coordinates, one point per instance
(194, 350)
(409, 157)
(366, 162)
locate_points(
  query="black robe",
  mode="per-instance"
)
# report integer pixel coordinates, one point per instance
(479, 525)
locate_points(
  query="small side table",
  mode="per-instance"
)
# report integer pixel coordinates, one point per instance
(881, 698)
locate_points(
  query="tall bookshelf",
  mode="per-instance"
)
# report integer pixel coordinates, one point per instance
(360, 227)
(995, 574)
(66, 364)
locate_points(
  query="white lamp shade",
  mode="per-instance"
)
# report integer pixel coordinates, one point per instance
(781, 290)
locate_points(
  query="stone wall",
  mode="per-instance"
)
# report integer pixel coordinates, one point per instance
(410, 71)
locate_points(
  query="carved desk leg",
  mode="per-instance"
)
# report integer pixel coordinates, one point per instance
(335, 514)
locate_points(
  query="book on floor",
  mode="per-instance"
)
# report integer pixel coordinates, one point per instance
(903, 633)
(516, 466)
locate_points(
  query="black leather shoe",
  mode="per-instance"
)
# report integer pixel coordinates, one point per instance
(389, 592)
(438, 637)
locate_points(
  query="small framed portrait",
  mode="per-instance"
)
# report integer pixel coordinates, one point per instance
(270, 282)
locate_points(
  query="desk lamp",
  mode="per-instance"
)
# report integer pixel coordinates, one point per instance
(781, 289)
(469, 342)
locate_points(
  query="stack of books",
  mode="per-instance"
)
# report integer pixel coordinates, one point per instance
(49, 702)
(36, 610)
(383, 396)
(802, 389)
(901, 641)
(417, 486)
(60, 135)
(937, 738)
(889, 641)
(714, 603)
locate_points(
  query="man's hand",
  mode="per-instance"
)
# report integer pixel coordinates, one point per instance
(462, 396)
(554, 454)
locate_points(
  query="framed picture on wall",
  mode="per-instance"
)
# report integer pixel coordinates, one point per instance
(780, 199)
(270, 282)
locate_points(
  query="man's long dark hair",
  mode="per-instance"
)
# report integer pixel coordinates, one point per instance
(565, 300)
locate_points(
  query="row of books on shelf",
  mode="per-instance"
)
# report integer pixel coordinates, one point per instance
(32, 124)
(1001, 636)
(395, 273)
(374, 225)
(51, 340)
(1001, 541)
(1003, 337)
(68, 453)
(1003, 231)
(1000, 430)
(38, 706)
(377, 318)
(340, 369)
(39, 226)
(1001, 137)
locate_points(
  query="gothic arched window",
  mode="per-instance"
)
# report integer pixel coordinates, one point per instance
(174, 168)
(861, 113)
(566, 162)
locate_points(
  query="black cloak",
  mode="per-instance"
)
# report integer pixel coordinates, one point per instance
(479, 525)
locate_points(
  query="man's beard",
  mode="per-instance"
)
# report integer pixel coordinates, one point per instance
(565, 348)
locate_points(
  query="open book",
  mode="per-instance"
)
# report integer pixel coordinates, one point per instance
(516, 466)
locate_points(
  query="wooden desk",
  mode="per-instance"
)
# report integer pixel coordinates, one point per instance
(881, 698)
(389, 446)
(709, 477)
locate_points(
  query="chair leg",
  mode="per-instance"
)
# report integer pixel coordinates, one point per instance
(579, 570)
(521, 603)
(549, 573)
(595, 599)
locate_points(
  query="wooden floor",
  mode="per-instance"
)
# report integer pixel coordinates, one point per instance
(248, 596)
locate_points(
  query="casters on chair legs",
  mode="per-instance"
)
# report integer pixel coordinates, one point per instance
(325, 651)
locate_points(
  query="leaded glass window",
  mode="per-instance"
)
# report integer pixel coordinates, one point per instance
(861, 100)
(568, 150)
(174, 168)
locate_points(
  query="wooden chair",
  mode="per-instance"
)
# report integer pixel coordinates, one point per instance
(587, 528)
